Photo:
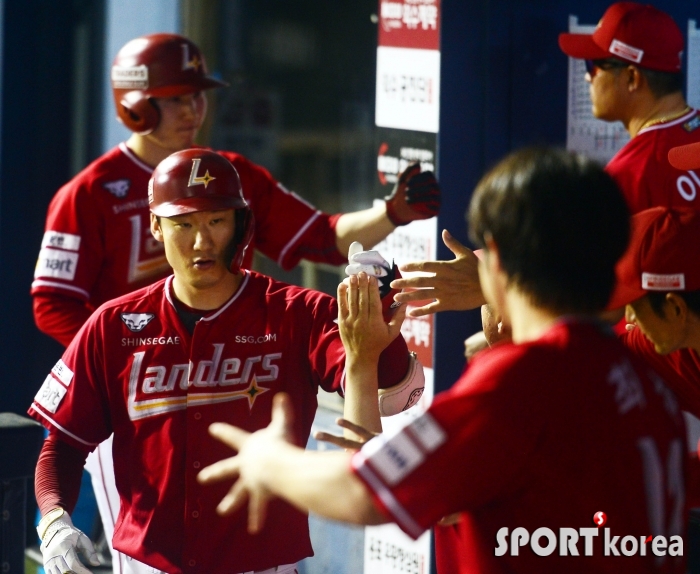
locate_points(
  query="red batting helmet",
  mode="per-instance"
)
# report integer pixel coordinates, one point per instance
(156, 66)
(201, 180)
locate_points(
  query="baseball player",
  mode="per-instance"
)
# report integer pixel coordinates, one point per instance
(213, 342)
(659, 287)
(98, 245)
(633, 62)
(546, 439)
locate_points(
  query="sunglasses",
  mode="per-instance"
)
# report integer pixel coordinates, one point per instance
(608, 64)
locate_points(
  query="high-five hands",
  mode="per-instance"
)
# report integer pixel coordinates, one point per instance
(453, 286)
(362, 328)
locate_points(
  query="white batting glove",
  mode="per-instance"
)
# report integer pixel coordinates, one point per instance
(61, 542)
(371, 262)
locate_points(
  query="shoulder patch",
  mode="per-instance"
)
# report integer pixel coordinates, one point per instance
(396, 454)
(118, 188)
(137, 321)
(50, 394)
(62, 372)
(693, 124)
(66, 241)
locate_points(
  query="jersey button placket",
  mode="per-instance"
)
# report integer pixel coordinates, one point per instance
(195, 432)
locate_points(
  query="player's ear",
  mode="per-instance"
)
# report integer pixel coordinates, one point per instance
(635, 78)
(493, 259)
(156, 229)
(676, 307)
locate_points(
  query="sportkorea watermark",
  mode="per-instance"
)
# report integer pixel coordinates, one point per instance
(585, 542)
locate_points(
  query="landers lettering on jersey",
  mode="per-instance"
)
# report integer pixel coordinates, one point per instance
(136, 321)
(174, 385)
(118, 188)
(145, 341)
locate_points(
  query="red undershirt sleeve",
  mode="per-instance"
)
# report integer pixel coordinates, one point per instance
(393, 363)
(59, 471)
(60, 316)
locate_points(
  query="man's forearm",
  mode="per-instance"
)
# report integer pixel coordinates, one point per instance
(58, 474)
(320, 482)
(369, 227)
(361, 390)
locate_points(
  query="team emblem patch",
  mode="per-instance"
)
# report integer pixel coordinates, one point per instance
(691, 125)
(118, 188)
(137, 321)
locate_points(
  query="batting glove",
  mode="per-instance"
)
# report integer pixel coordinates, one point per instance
(416, 195)
(61, 542)
(372, 263)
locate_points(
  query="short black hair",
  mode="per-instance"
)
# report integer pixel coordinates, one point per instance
(658, 298)
(663, 83)
(560, 224)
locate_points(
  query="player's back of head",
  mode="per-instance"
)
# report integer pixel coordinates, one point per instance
(560, 224)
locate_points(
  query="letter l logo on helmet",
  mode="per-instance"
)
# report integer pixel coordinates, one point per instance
(188, 64)
(203, 180)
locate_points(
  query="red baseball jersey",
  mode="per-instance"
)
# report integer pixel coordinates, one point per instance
(643, 173)
(536, 436)
(134, 370)
(680, 369)
(98, 245)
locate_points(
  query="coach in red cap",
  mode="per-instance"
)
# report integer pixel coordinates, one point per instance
(633, 63)
(658, 283)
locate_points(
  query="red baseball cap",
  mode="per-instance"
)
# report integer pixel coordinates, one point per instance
(637, 33)
(663, 255)
(685, 156)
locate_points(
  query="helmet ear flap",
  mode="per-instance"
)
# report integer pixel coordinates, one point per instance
(138, 113)
(245, 228)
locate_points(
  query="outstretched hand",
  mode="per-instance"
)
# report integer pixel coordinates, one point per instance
(362, 328)
(453, 286)
(248, 467)
(343, 442)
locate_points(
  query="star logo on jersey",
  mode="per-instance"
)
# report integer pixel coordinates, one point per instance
(253, 391)
(137, 322)
(118, 188)
(199, 180)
